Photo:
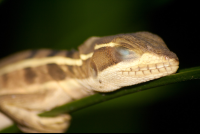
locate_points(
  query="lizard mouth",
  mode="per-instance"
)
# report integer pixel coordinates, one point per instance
(151, 71)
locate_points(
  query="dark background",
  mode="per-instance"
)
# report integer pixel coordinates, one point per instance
(65, 24)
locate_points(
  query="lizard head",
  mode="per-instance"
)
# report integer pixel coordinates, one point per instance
(129, 59)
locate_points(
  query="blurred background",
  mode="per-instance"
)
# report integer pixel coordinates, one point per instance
(65, 24)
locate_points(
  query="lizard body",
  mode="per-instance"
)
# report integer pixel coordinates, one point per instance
(35, 81)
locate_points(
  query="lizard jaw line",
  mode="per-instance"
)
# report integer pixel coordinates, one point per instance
(151, 70)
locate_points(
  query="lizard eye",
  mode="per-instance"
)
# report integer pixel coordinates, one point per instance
(124, 53)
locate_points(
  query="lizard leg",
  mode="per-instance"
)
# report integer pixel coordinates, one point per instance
(24, 109)
(4, 121)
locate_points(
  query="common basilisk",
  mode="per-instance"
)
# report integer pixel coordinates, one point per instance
(35, 81)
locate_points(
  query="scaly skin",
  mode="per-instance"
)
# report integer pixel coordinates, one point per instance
(32, 82)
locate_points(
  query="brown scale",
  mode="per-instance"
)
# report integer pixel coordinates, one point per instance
(104, 58)
(55, 72)
(13, 79)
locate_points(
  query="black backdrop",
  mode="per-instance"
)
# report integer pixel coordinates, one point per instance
(66, 24)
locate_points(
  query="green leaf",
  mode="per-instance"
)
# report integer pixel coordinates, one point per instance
(182, 75)
(11, 129)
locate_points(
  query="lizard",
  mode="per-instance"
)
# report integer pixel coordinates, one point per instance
(35, 81)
